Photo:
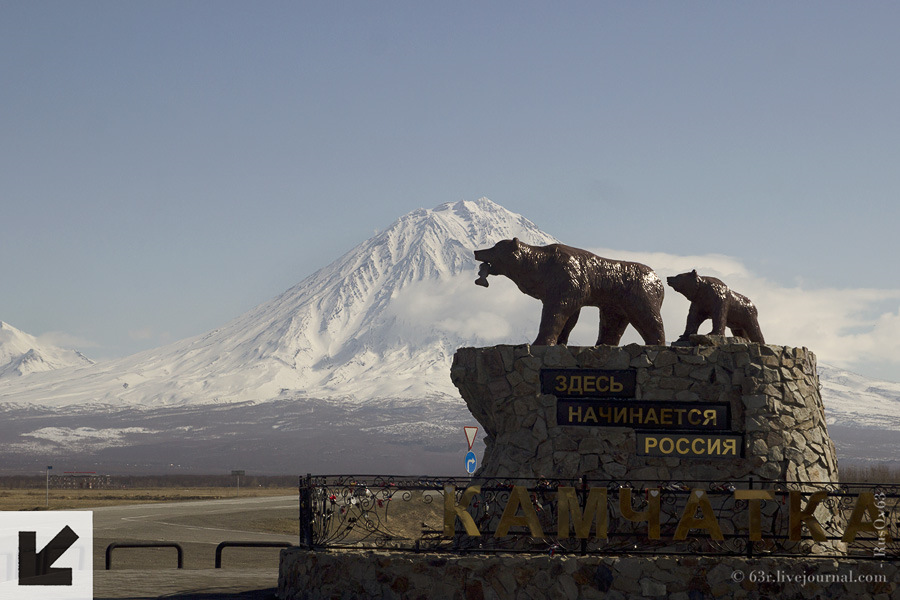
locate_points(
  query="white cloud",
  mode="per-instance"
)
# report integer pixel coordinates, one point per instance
(61, 339)
(855, 329)
(500, 314)
(716, 265)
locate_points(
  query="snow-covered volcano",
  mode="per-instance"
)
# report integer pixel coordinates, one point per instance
(355, 357)
(22, 354)
(382, 321)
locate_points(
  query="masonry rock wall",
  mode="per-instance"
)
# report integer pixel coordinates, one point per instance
(772, 392)
(351, 575)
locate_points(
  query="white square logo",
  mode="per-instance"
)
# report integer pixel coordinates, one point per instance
(46, 555)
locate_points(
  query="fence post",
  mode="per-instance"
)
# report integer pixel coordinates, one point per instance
(749, 541)
(584, 492)
(224, 545)
(306, 530)
(114, 545)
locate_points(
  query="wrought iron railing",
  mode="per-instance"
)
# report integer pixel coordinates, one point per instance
(449, 514)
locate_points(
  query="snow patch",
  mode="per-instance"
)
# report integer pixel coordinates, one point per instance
(81, 437)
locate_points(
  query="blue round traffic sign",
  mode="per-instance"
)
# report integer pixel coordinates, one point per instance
(470, 462)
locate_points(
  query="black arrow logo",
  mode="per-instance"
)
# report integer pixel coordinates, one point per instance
(35, 568)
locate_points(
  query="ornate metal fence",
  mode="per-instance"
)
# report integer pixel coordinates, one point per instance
(746, 517)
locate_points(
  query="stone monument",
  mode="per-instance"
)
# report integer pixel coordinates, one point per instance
(726, 410)
(709, 407)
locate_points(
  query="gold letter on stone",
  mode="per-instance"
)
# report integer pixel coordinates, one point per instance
(805, 516)
(651, 515)
(689, 520)
(595, 506)
(519, 497)
(753, 498)
(865, 503)
(453, 510)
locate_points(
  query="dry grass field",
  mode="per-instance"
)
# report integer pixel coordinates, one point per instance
(36, 499)
(405, 520)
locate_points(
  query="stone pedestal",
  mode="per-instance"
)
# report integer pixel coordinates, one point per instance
(765, 399)
(306, 575)
(717, 413)
(649, 418)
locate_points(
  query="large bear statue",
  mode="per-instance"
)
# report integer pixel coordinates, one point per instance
(712, 299)
(564, 279)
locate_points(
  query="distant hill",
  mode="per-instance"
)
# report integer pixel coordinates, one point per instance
(22, 354)
(382, 321)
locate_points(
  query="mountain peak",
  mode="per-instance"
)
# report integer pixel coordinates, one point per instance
(22, 353)
(381, 321)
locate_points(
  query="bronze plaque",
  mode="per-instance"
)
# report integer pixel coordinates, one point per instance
(589, 383)
(689, 445)
(658, 415)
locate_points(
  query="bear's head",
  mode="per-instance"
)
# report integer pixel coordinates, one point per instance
(686, 283)
(497, 260)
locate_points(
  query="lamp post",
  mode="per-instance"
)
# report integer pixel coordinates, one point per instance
(238, 474)
(48, 485)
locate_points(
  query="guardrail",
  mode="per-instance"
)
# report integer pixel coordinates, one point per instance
(604, 517)
(224, 545)
(115, 545)
(180, 551)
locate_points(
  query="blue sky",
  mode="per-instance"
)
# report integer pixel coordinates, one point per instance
(168, 165)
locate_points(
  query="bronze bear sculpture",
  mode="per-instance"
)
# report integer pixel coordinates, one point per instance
(712, 299)
(565, 279)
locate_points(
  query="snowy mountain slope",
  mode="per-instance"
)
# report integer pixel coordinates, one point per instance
(382, 321)
(856, 401)
(22, 354)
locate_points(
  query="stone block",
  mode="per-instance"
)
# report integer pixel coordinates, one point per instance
(703, 373)
(799, 441)
(771, 471)
(532, 363)
(758, 448)
(525, 387)
(591, 445)
(615, 470)
(755, 402)
(665, 358)
(499, 388)
(651, 588)
(655, 393)
(590, 462)
(514, 378)
(539, 429)
(619, 360)
(692, 359)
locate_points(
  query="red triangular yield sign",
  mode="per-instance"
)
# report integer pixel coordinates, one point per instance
(471, 432)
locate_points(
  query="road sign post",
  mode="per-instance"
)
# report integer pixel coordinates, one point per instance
(471, 461)
(471, 432)
(238, 474)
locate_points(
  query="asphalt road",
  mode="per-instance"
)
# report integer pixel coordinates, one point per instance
(139, 573)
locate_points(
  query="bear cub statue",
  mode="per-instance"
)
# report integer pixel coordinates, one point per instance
(711, 299)
(565, 279)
